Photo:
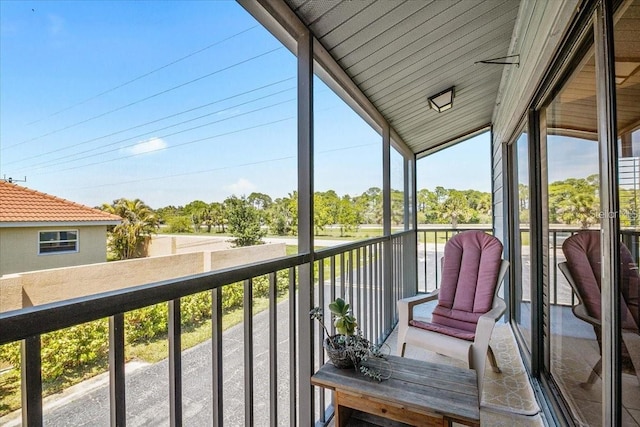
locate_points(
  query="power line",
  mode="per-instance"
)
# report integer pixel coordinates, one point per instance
(259, 162)
(49, 164)
(143, 75)
(146, 98)
(176, 145)
(48, 161)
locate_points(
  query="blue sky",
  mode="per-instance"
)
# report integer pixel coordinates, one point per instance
(168, 102)
(171, 102)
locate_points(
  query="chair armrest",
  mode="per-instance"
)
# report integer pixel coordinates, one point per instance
(405, 305)
(581, 313)
(487, 321)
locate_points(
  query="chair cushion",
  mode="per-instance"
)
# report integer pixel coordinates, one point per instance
(447, 330)
(582, 251)
(469, 277)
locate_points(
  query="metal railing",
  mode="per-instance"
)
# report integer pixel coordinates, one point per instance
(431, 241)
(371, 275)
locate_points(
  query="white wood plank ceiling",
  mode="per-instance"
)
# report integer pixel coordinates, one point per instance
(401, 52)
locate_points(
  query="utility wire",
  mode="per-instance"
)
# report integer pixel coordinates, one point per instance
(143, 75)
(176, 145)
(47, 153)
(146, 98)
(47, 165)
(52, 162)
(183, 174)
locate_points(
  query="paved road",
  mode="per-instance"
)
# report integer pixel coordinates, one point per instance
(148, 387)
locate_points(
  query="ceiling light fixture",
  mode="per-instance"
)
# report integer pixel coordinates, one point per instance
(442, 101)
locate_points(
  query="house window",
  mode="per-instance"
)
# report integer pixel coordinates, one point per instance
(58, 241)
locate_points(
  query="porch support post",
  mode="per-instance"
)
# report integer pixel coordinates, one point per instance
(410, 250)
(305, 226)
(386, 228)
(610, 224)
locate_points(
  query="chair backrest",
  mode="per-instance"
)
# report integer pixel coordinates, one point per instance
(470, 271)
(583, 254)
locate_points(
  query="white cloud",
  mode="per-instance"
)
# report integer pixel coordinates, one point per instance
(56, 24)
(241, 187)
(147, 146)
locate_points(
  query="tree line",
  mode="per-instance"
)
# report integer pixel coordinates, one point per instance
(573, 201)
(249, 218)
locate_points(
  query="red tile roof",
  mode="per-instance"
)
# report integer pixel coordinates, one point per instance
(21, 204)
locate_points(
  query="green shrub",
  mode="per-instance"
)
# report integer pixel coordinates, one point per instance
(88, 343)
(66, 349)
(195, 309)
(146, 323)
(179, 224)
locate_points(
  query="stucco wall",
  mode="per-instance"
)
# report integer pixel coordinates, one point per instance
(169, 245)
(40, 287)
(246, 255)
(19, 249)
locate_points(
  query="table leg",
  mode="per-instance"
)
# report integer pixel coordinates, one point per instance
(342, 414)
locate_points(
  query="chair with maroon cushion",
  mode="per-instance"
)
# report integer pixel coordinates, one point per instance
(468, 303)
(583, 272)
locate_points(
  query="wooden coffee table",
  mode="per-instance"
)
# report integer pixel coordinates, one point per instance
(418, 393)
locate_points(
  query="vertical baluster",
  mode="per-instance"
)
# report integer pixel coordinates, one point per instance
(342, 277)
(332, 272)
(380, 284)
(370, 293)
(435, 260)
(116, 371)
(374, 292)
(293, 343)
(175, 364)
(350, 278)
(273, 350)
(555, 268)
(248, 353)
(320, 336)
(31, 389)
(216, 356)
(424, 244)
(358, 285)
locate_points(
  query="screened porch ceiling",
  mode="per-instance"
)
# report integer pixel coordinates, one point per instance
(401, 53)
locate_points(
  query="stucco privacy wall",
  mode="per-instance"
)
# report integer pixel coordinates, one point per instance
(41, 287)
(169, 245)
(19, 248)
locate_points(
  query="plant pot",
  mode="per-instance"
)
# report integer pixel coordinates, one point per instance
(338, 353)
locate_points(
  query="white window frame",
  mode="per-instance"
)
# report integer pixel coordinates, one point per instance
(75, 248)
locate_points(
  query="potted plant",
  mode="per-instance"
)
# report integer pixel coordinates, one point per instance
(348, 348)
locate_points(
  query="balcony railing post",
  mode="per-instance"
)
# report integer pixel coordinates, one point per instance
(175, 364)
(216, 356)
(248, 352)
(117, 397)
(31, 381)
(273, 350)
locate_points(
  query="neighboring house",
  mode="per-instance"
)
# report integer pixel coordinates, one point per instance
(39, 231)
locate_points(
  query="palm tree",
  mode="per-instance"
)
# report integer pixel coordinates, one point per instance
(138, 222)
